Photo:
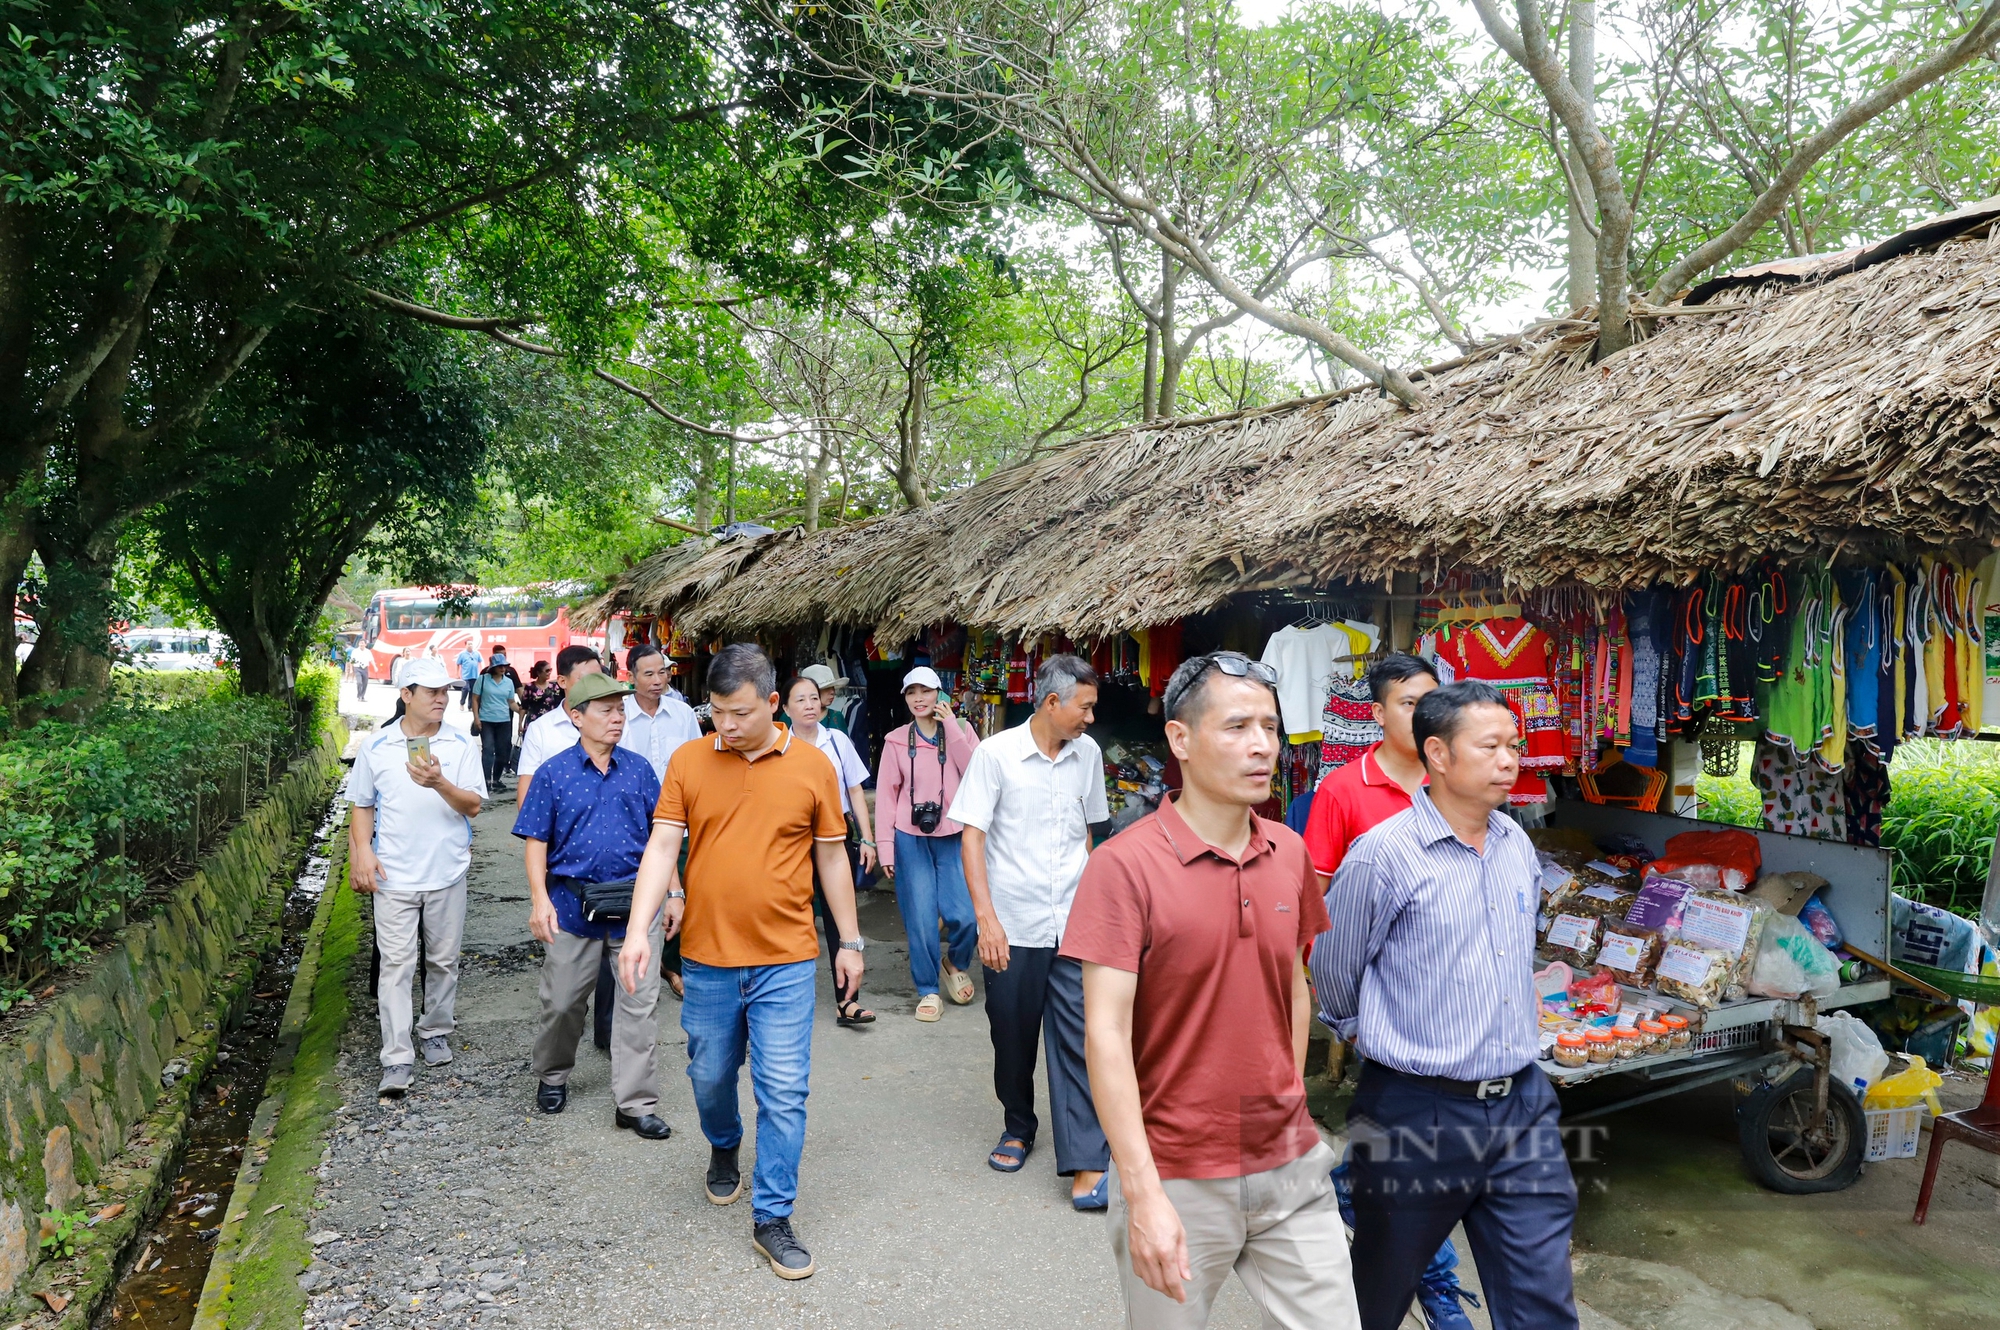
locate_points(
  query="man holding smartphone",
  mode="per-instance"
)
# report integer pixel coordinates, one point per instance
(415, 787)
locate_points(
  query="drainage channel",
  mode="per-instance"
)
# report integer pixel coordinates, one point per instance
(163, 1286)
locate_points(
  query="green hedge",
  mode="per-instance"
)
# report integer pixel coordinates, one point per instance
(141, 764)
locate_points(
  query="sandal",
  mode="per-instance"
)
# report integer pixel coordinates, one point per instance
(1010, 1147)
(851, 1012)
(1097, 1198)
(929, 1007)
(958, 986)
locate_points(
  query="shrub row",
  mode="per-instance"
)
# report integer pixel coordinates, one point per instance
(154, 772)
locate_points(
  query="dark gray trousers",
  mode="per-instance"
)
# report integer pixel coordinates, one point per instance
(1040, 996)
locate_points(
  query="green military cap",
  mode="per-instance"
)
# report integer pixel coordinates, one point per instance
(591, 687)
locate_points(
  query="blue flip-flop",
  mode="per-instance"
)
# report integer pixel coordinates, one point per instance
(1010, 1147)
(1097, 1198)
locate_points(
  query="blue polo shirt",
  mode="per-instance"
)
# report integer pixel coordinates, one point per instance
(595, 824)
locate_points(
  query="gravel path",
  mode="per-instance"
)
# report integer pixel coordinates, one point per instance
(463, 1206)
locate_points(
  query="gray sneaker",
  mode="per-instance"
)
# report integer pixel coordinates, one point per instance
(436, 1050)
(397, 1080)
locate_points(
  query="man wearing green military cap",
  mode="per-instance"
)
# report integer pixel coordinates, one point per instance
(586, 818)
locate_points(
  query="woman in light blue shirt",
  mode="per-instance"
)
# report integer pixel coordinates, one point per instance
(497, 705)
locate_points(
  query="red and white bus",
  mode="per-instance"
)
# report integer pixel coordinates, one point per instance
(531, 622)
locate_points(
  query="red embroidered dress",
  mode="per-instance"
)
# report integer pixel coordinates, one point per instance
(1516, 657)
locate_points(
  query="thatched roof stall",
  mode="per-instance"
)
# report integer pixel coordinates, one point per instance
(1808, 409)
(662, 583)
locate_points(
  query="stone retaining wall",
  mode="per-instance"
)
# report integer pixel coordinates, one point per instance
(79, 1074)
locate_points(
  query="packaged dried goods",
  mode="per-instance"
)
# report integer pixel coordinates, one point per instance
(1571, 1050)
(1630, 955)
(1655, 1035)
(1630, 1042)
(1696, 975)
(1571, 938)
(1679, 1035)
(1594, 995)
(1734, 854)
(1718, 921)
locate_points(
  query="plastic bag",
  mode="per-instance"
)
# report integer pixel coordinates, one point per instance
(1734, 852)
(1697, 976)
(1913, 1085)
(1791, 962)
(1816, 917)
(1571, 938)
(1596, 990)
(1858, 1059)
(1631, 954)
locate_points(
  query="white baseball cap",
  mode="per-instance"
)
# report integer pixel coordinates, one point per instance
(424, 672)
(923, 675)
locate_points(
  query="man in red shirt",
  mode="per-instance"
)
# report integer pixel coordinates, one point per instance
(1376, 786)
(1191, 926)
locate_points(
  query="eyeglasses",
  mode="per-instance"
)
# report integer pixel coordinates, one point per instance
(1232, 663)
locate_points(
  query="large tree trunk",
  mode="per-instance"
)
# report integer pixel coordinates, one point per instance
(17, 546)
(1172, 354)
(911, 422)
(72, 657)
(816, 481)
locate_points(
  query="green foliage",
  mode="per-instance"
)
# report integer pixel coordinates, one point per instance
(1944, 802)
(68, 789)
(317, 692)
(61, 1236)
(1730, 799)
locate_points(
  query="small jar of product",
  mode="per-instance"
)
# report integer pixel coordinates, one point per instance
(1631, 1043)
(1602, 1045)
(1655, 1035)
(1679, 1034)
(1570, 1050)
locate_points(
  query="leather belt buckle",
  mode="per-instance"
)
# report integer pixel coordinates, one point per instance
(1499, 1087)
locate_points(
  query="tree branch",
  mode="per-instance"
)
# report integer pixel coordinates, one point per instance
(1973, 42)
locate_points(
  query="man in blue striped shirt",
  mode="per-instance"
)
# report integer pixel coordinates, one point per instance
(1429, 969)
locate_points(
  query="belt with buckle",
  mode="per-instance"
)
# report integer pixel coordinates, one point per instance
(1493, 1087)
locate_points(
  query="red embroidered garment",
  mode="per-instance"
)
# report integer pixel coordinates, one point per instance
(1516, 657)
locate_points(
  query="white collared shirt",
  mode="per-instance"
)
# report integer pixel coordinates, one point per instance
(656, 736)
(847, 763)
(1036, 814)
(547, 735)
(423, 842)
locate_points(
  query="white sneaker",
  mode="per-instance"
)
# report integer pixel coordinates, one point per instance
(436, 1050)
(397, 1080)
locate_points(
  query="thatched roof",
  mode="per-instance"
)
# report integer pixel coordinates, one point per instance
(663, 582)
(1800, 418)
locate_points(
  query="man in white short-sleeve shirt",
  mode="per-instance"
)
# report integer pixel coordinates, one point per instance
(656, 721)
(415, 788)
(553, 731)
(1027, 802)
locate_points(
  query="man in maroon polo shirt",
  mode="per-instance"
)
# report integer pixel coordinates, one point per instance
(1191, 927)
(1376, 786)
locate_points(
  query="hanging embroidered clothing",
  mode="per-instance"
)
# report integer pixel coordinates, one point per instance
(1644, 749)
(1865, 792)
(1861, 651)
(1800, 797)
(1347, 723)
(1513, 656)
(1163, 656)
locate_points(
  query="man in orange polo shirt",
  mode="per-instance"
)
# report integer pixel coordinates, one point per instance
(759, 811)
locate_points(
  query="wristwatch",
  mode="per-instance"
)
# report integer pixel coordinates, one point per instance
(858, 944)
(677, 895)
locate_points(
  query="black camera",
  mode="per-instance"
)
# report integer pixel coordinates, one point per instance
(927, 816)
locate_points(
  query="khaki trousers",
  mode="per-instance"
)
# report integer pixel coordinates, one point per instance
(569, 977)
(399, 916)
(1279, 1230)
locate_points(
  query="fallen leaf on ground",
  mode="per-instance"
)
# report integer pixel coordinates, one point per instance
(274, 1209)
(56, 1301)
(108, 1212)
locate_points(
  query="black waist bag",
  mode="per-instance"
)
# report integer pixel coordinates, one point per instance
(608, 902)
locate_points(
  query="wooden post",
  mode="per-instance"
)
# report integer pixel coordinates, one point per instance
(195, 854)
(243, 801)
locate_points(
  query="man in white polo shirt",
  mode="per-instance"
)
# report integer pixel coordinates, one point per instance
(1027, 802)
(415, 788)
(553, 731)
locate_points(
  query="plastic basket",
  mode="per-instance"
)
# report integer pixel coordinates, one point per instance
(1893, 1132)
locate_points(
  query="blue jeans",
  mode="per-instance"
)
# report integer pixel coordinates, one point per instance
(930, 885)
(766, 1010)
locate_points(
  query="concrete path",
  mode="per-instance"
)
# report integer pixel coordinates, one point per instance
(463, 1206)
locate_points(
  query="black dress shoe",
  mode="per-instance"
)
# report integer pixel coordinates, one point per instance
(551, 1098)
(725, 1179)
(649, 1125)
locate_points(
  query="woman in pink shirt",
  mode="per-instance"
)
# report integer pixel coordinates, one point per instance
(921, 766)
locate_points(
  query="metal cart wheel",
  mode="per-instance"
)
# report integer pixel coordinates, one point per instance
(1787, 1151)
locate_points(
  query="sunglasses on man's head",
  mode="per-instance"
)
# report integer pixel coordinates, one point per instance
(1232, 663)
